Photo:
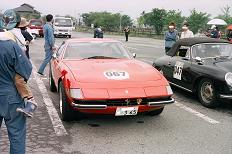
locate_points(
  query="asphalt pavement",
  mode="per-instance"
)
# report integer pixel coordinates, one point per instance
(183, 127)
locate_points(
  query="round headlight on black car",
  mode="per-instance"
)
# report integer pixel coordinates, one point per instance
(228, 78)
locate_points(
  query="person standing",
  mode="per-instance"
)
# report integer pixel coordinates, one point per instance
(13, 61)
(186, 33)
(170, 37)
(16, 31)
(49, 45)
(28, 38)
(215, 33)
(127, 32)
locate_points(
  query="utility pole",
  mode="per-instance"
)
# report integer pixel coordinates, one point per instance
(120, 21)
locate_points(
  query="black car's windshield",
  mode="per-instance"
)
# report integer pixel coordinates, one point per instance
(96, 50)
(212, 50)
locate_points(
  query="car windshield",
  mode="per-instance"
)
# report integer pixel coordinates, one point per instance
(36, 23)
(212, 50)
(96, 50)
(63, 22)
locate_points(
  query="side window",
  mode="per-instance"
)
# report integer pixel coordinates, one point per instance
(183, 51)
(60, 49)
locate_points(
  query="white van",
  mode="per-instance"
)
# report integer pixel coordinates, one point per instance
(63, 26)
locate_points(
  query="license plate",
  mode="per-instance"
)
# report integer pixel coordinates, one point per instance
(124, 111)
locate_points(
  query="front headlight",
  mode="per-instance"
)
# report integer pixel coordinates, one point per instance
(228, 78)
(169, 90)
(76, 93)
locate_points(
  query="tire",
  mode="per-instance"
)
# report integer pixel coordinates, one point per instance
(51, 82)
(207, 94)
(155, 112)
(67, 113)
(69, 36)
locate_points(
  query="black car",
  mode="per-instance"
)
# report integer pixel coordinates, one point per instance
(200, 65)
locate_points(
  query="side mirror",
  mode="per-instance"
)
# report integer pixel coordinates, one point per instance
(199, 60)
(134, 55)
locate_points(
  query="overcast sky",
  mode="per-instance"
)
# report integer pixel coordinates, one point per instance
(132, 8)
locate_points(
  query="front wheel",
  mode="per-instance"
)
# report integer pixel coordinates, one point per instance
(51, 81)
(67, 113)
(155, 112)
(207, 94)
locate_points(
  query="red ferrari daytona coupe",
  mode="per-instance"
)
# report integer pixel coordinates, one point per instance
(101, 76)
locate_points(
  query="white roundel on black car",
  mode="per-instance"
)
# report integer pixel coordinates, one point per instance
(178, 70)
(116, 75)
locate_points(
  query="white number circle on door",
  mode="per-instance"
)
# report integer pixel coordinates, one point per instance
(116, 75)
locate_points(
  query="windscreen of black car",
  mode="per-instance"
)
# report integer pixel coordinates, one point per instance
(89, 50)
(212, 50)
(63, 22)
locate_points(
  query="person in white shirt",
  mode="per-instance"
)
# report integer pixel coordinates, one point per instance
(186, 33)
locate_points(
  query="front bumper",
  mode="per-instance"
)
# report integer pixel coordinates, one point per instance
(111, 108)
(225, 96)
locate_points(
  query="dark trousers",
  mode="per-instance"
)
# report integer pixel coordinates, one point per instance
(27, 51)
(126, 37)
(15, 123)
(167, 49)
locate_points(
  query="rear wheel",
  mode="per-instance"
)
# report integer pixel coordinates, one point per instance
(67, 113)
(207, 94)
(69, 36)
(155, 112)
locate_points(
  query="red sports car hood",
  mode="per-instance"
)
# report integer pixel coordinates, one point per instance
(111, 70)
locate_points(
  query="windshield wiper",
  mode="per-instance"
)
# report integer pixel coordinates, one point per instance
(99, 57)
(221, 57)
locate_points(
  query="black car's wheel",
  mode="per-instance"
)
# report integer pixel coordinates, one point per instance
(207, 94)
(155, 112)
(51, 82)
(67, 113)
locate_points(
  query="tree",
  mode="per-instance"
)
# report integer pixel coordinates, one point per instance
(106, 20)
(156, 19)
(174, 16)
(197, 20)
(126, 21)
(226, 15)
(141, 21)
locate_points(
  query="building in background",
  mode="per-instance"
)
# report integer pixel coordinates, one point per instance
(28, 11)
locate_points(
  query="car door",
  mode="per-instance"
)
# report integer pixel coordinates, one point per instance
(57, 62)
(179, 67)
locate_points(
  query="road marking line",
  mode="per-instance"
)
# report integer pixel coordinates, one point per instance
(55, 119)
(132, 48)
(196, 113)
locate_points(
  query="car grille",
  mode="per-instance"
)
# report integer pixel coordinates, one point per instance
(122, 102)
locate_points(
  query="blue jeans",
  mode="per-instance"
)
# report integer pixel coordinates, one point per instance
(15, 123)
(48, 57)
